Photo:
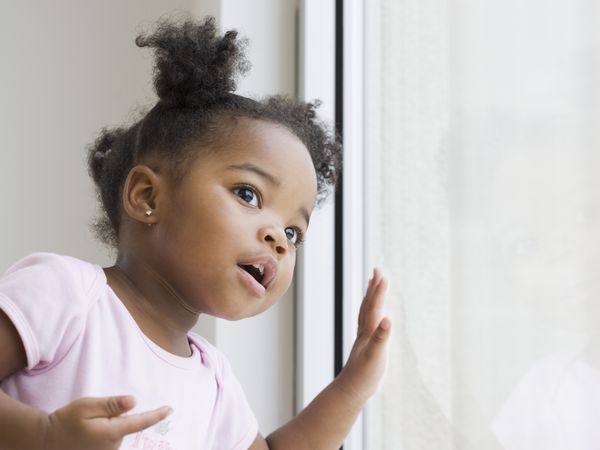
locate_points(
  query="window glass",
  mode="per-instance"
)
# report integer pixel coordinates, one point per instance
(483, 206)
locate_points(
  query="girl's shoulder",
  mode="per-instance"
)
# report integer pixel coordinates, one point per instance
(53, 273)
(46, 259)
(48, 297)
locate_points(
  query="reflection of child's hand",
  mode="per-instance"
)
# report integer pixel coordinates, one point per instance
(368, 357)
(97, 423)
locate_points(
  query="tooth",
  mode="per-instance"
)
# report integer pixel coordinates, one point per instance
(260, 268)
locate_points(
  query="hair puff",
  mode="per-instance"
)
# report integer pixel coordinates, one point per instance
(194, 65)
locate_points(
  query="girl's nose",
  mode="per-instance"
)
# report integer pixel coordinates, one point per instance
(275, 237)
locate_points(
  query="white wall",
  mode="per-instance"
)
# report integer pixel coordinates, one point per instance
(70, 68)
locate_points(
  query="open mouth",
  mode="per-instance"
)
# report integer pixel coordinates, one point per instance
(257, 271)
(262, 269)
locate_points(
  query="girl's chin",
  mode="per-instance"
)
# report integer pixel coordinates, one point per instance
(235, 314)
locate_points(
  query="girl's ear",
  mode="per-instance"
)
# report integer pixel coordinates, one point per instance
(140, 194)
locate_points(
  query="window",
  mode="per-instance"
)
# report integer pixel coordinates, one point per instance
(481, 202)
(470, 176)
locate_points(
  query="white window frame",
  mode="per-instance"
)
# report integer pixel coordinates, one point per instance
(353, 185)
(315, 265)
(315, 276)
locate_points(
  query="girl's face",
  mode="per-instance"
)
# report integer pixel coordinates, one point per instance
(227, 233)
(545, 218)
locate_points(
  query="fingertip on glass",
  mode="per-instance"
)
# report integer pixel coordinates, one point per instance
(385, 324)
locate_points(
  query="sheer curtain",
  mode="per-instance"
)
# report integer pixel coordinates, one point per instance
(483, 206)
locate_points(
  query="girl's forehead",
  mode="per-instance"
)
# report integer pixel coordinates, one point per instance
(268, 143)
(243, 132)
(264, 149)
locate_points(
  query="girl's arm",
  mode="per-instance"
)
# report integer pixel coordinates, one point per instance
(90, 423)
(326, 421)
(20, 425)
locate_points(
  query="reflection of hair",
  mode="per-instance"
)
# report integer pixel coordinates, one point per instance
(195, 76)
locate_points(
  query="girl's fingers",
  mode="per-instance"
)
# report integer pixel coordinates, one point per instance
(377, 340)
(384, 327)
(374, 308)
(377, 275)
(363, 306)
(379, 294)
(137, 422)
(370, 309)
(113, 408)
(381, 334)
(93, 407)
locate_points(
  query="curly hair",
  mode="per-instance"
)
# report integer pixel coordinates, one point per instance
(195, 75)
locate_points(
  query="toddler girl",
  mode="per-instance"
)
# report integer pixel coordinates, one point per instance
(207, 199)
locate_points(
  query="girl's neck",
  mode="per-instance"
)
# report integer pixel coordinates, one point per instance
(161, 314)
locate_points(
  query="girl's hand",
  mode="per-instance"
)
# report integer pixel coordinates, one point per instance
(97, 423)
(368, 358)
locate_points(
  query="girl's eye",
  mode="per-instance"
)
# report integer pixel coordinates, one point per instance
(294, 235)
(247, 194)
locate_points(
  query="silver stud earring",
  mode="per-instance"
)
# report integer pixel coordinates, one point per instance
(148, 213)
